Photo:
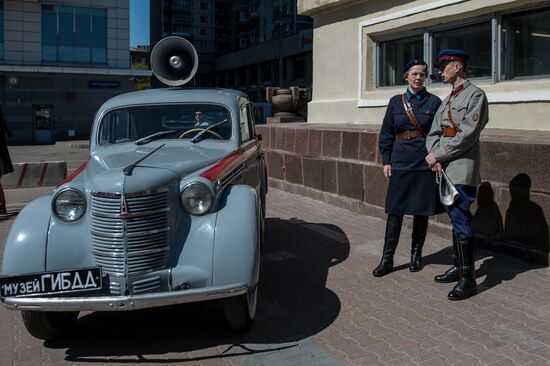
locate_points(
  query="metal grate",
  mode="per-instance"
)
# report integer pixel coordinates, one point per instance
(130, 233)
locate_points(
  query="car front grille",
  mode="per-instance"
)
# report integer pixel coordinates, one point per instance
(130, 232)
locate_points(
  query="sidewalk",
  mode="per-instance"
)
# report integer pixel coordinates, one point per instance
(319, 304)
(405, 318)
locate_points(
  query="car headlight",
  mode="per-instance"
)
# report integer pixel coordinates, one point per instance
(196, 198)
(69, 205)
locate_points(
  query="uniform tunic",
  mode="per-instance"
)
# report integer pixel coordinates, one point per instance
(412, 188)
(459, 155)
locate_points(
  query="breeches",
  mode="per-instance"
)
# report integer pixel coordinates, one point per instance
(459, 212)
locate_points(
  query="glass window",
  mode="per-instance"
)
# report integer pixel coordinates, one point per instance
(394, 55)
(99, 28)
(476, 39)
(526, 37)
(74, 35)
(182, 121)
(65, 35)
(245, 123)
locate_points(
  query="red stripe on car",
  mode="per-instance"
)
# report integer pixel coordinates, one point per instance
(76, 172)
(216, 171)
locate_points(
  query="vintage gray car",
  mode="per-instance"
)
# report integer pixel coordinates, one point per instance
(168, 209)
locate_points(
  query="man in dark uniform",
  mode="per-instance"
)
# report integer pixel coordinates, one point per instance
(453, 145)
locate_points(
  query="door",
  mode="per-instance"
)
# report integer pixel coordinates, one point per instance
(43, 124)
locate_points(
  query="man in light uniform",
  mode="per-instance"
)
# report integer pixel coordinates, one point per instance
(453, 145)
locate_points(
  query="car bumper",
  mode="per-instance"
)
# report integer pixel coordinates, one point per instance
(123, 303)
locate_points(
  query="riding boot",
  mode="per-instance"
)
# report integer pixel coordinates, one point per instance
(466, 286)
(391, 239)
(420, 227)
(451, 275)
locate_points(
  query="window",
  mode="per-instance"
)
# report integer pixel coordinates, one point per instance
(74, 35)
(204, 19)
(393, 57)
(245, 123)
(526, 40)
(179, 121)
(203, 32)
(204, 6)
(300, 67)
(476, 39)
(524, 47)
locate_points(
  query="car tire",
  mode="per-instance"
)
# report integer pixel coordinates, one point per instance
(49, 325)
(240, 310)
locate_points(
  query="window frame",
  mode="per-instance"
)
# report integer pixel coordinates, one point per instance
(428, 40)
(500, 58)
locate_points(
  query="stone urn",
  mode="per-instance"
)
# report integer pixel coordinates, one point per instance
(287, 102)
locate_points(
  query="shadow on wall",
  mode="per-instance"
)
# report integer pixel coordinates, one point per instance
(525, 231)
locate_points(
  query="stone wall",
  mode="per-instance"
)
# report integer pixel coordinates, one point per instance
(341, 165)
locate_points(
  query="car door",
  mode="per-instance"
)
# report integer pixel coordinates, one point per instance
(249, 147)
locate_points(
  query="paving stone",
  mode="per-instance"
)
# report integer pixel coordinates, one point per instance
(320, 305)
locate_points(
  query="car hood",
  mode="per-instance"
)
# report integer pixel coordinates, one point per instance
(105, 168)
(181, 160)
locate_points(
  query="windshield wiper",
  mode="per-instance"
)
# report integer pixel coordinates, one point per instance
(130, 168)
(200, 134)
(153, 136)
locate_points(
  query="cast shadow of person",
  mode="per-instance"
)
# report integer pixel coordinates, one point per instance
(518, 246)
(293, 304)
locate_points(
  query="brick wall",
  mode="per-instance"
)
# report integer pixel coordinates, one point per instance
(341, 165)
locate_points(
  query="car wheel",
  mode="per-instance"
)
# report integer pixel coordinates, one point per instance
(240, 310)
(49, 325)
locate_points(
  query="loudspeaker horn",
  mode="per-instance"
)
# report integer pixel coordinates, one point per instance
(174, 61)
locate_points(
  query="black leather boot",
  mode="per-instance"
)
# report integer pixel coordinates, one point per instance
(420, 227)
(391, 239)
(467, 285)
(451, 275)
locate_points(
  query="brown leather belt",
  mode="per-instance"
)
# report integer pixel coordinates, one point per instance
(407, 135)
(449, 132)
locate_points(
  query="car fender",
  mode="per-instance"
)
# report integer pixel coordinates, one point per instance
(25, 247)
(236, 241)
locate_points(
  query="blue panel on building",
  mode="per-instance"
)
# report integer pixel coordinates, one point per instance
(103, 84)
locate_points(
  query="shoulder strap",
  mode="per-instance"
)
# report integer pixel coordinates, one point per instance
(411, 116)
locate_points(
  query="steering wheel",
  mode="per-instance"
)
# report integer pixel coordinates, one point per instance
(199, 130)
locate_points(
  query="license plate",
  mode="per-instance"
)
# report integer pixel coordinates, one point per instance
(80, 280)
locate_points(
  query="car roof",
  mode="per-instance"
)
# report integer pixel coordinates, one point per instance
(175, 95)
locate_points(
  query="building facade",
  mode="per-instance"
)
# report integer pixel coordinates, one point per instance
(59, 60)
(232, 39)
(359, 50)
(361, 47)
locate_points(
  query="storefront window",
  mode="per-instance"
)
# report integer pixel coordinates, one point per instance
(526, 37)
(393, 55)
(74, 35)
(475, 39)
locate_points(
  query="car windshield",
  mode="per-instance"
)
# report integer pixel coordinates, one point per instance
(171, 121)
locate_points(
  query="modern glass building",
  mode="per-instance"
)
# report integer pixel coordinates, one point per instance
(59, 60)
